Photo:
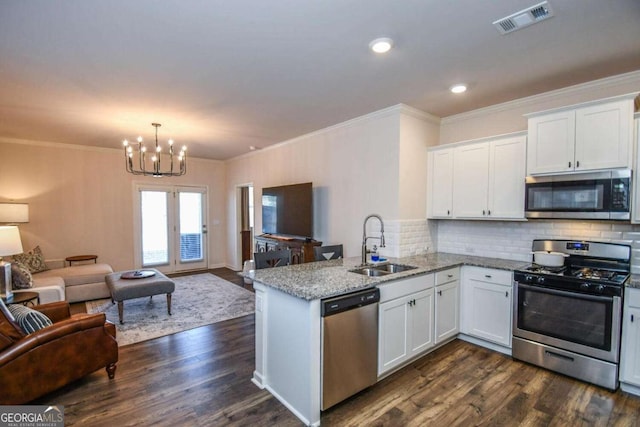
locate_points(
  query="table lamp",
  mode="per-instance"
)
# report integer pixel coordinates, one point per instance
(10, 244)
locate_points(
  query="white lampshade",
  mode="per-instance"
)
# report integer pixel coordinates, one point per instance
(14, 213)
(10, 243)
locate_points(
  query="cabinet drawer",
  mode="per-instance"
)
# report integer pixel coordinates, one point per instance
(500, 277)
(632, 298)
(403, 287)
(447, 276)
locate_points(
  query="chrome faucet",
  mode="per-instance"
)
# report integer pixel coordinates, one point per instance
(364, 236)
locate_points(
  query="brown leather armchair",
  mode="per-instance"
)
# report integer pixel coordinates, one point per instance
(36, 364)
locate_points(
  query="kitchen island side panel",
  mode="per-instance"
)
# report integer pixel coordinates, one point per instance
(292, 353)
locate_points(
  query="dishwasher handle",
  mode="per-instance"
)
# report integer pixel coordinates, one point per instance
(350, 301)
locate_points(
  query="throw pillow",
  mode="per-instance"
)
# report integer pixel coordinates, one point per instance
(20, 276)
(30, 320)
(34, 260)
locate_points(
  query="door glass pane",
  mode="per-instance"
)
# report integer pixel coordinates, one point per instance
(190, 226)
(155, 241)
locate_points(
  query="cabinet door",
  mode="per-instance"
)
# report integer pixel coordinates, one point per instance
(507, 161)
(392, 333)
(446, 311)
(635, 213)
(471, 181)
(630, 358)
(440, 185)
(421, 321)
(551, 143)
(603, 136)
(490, 312)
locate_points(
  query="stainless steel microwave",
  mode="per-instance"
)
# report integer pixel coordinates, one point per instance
(594, 195)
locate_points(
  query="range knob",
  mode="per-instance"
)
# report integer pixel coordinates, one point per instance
(600, 289)
(540, 280)
(528, 278)
(585, 286)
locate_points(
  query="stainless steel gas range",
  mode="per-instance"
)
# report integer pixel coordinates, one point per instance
(568, 318)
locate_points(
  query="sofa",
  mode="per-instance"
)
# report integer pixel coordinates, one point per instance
(77, 283)
(36, 361)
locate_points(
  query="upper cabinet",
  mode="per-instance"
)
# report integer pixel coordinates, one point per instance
(482, 179)
(586, 137)
(440, 185)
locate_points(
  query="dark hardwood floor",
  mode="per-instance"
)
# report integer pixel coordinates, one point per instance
(202, 377)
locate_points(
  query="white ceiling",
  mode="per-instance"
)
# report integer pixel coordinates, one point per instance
(222, 75)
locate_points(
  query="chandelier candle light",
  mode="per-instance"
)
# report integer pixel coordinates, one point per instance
(155, 158)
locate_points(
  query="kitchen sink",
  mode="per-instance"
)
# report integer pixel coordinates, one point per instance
(394, 268)
(382, 269)
(369, 271)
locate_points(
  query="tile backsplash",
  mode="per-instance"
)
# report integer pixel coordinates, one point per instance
(512, 240)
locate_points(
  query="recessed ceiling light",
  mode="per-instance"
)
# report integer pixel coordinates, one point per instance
(458, 88)
(381, 45)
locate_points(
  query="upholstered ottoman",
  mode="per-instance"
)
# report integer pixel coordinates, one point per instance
(125, 285)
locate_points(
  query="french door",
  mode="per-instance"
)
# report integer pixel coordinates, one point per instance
(170, 227)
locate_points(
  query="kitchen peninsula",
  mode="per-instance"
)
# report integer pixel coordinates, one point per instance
(289, 323)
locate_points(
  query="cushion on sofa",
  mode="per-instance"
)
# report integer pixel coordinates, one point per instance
(29, 319)
(33, 260)
(20, 276)
(78, 274)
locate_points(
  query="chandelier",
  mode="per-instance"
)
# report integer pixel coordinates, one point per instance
(155, 169)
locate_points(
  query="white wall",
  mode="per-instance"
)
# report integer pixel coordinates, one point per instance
(355, 170)
(81, 199)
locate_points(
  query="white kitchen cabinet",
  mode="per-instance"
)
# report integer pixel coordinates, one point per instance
(440, 184)
(586, 137)
(488, 179)
(471, 180)
(635, 207)
(405, 323)
(630, 350)
(486, 304)
(447, 304)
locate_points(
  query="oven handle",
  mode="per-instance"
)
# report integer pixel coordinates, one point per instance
(565, 293)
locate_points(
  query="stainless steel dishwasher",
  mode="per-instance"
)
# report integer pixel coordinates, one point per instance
(349, 345)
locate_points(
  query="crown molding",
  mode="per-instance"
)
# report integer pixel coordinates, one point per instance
(62, 145)
(385, 112)
(631, 77)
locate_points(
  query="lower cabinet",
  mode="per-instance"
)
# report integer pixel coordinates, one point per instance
(405, 325)
(630, 357)
(446, 297)
(486, 304)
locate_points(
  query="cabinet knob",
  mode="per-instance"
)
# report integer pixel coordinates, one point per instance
(577, 163)
(440, 293)
(489, 212)
(488, 276)
(632, 317)
(569, 164)
(448, 212)
(506, 294)
(483, 212)
(449, 276)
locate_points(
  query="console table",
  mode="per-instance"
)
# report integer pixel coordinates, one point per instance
(301, 249)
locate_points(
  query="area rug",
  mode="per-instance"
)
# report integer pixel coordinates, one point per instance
(198, 300)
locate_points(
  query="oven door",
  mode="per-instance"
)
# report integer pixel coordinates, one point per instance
(583, 324)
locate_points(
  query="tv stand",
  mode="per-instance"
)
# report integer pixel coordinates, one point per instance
(301, 249)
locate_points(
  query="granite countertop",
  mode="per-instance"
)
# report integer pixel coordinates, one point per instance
(634, 281)
(324, 279)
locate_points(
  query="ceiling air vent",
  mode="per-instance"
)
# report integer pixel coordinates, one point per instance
(524, 18)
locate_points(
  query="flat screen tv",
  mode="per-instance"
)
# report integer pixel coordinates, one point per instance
(287, 210)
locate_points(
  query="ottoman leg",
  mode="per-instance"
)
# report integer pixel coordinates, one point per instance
(169, 304)
(120, 310)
